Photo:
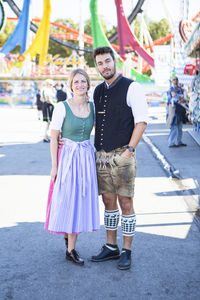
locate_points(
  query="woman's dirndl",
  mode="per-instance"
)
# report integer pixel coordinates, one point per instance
(73, 204)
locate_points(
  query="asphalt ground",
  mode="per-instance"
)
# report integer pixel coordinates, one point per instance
(166, 247)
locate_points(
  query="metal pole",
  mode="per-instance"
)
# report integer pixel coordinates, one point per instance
(81, 32)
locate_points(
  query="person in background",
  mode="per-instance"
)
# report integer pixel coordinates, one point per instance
(174, 87)
(60, 94)
(39, 104)
(176, 100)
(48, 98)
(73, 206)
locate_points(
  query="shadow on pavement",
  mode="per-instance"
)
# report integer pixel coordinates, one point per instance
(33, 266)
(178, 192)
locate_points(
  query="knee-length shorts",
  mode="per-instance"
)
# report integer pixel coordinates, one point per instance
(47, 111)
(115, 174)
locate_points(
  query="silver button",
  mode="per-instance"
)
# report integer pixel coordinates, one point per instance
(101, 144)
(104, 119)
(106, 96)
(101, 133)
(101, 129)
(101, 139)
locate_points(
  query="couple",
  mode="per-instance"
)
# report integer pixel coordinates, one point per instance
(120, 118)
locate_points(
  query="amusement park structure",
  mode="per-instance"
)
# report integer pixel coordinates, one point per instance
(127, 41)
(20, 34)
(40, 43)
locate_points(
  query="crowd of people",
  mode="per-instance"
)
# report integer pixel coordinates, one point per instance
(46, 97)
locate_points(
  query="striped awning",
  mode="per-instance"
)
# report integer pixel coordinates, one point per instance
(192, 47)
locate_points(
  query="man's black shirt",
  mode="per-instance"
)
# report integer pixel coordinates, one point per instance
(61, 95)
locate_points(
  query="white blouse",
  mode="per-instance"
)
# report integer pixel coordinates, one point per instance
(135, 99)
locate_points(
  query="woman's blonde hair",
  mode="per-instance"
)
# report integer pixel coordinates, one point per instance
(73, 74)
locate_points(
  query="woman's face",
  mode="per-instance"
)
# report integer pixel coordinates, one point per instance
(79, 85)
(175, 81)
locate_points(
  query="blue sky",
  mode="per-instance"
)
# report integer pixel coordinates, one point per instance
(70, 9)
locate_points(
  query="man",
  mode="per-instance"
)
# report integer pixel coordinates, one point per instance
(121, 118)
(39, 103)
(60, 94)
(47, 97)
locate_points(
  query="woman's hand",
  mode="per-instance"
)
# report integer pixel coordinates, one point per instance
(60, 141)
(53, 174)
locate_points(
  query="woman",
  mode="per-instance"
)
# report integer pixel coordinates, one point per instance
(74, 205)
(174, 94)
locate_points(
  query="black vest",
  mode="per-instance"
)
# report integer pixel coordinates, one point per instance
(114, 118)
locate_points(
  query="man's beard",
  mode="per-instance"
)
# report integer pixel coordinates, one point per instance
(107, 77)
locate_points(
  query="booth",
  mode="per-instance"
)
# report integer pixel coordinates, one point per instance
(192, 49)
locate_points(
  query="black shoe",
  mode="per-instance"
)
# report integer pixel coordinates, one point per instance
(106, 254)
(173, 146)
(74, 257)
(66, 242)
(182, 145)
(125, 260)
(46, 140)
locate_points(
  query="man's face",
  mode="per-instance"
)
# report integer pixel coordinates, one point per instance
(106, 65)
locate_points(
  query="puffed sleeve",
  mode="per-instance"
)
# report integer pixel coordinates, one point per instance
(58, 116)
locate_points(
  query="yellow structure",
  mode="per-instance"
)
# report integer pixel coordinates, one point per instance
(41, 41)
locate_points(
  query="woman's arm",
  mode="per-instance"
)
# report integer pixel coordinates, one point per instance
(54, 153)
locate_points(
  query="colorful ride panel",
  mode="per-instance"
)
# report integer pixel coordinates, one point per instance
(19, 35)
(41, 41)
(126, 36)
(100, 39)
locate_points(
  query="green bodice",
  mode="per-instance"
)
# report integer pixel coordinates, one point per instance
(75, 128)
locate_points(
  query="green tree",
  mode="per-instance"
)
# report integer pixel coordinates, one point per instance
(55, 48)
(137, 26)
(88, 56)
(158, 30)
(8, 30)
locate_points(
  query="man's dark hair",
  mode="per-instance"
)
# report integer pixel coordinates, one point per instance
(62, 85)
(103, 50)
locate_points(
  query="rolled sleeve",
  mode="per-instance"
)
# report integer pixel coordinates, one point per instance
(137, 101)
